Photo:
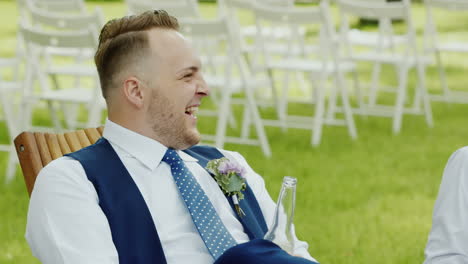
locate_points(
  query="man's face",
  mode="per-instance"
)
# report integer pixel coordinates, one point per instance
(176, 88)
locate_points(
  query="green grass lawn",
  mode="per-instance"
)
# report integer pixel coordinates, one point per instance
(363, 201)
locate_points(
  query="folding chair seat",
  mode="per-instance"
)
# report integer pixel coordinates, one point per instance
(10, 96)
(402, 57)
(222, 42)
(434, 46)
(320, 68)
(39, 67)
(35, 150)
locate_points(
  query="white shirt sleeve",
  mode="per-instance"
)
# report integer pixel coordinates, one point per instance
(65, 223)
(267, 205)
(448, 239)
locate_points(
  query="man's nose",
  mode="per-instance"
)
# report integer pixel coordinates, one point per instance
(202, 87)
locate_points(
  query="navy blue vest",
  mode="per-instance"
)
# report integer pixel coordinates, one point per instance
(133, 231)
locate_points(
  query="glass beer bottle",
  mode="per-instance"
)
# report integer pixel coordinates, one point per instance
(282, 231)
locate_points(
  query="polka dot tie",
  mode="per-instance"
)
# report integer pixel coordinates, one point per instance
(213, 232)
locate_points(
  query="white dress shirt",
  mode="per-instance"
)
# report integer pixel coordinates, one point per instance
(448, 239)
(66, 224)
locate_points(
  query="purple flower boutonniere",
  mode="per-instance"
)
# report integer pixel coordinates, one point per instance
(230, 177)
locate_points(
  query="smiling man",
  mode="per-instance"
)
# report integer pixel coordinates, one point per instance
(141, 194)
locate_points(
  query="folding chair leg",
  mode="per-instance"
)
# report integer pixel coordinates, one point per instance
(274, 91)
(340, 84)
(283, 106)
(358, 92)
(374, 84)
(246, 122)
(301, 81)
(332, 101)
(319, 114)
(54, 116)
(400, 100)
(26, 116)
(424, 94)
(442, 76)
(71, 113)
(232, 120)
(223, 114)
(260, 129)
(11, 165)
(94, 115)
(314, 88)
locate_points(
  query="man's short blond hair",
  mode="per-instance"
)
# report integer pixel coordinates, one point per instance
(124, 42)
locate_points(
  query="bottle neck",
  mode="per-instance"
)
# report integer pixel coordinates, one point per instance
(287, 199)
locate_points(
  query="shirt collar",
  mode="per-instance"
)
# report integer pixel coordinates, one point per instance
(146, 150)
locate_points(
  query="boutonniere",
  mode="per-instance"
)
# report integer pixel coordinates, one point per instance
(230, 177)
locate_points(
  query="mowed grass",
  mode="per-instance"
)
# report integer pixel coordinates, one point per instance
(363, 201)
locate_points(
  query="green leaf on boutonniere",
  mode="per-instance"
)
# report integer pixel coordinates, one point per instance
(230, 177)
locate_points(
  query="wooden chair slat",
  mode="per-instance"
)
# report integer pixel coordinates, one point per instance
(36, 150)
(29, 158)
(93, 134)
(73, 141)
(43, 148)
(101, 130)
(63, 144)
(84, 141)
(54, 146)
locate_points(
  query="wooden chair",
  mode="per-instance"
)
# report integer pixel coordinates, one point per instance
(35, 150)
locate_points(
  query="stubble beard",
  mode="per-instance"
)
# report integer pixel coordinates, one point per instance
(170, 127)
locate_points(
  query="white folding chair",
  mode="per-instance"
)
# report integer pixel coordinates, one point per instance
(39, 65)
(43, 19)
(178, 8)
(240, 11)
(435, 46)
(320, 67)
(10, 94)
(403, 57)
(232, 78)
(78, 69)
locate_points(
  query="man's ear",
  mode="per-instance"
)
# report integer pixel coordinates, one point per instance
(133, 90)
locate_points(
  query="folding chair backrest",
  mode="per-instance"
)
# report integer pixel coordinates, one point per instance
(69, 39)
(179, 9)
(35, 150)
(66, 21)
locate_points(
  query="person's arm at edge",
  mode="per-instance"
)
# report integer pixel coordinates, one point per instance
(449, 234)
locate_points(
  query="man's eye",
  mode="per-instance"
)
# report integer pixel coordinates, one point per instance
(188, 75)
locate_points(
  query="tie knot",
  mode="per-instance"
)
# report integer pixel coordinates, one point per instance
(171, 157)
